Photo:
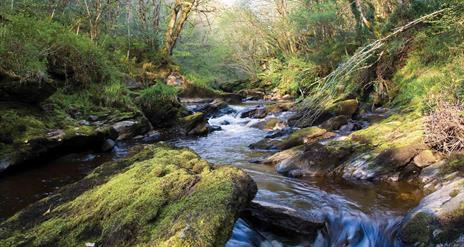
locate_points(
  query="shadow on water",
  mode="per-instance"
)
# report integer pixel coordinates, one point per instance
(21, 188)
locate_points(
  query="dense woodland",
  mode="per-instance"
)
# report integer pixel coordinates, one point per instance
(64, 63)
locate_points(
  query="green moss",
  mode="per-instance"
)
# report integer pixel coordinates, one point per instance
(190, 121)
(454, 193)
(418, 230)
(171, 199)
(398, 130)
(298, 137)
(455, 163)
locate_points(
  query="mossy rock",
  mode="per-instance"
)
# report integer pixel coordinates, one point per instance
(439, 218)
(301, 136)
(160, 197)
(397, 131)
(191, 121)
(345, 108)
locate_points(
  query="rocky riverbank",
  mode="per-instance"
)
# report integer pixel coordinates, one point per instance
(161, 196)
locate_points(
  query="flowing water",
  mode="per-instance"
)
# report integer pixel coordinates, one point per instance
(355, 214)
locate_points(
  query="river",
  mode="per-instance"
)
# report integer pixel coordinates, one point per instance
(355, 213)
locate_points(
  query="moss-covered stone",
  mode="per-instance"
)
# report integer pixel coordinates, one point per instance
(398, 130)
(162, 197)
(29, 132)
(301, 136)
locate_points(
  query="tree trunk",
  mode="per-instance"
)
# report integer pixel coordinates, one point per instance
(177, 19)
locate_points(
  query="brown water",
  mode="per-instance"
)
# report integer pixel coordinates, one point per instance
(356, 214)
(21, 188)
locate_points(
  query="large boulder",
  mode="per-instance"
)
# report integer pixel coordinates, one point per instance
(161, 113)
(345, 108)
(160, 197)
(335, 123)
(439, 218)
(316, 159)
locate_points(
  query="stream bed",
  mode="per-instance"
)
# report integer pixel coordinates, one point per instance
(354, 213)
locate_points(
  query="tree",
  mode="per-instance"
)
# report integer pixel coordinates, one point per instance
(180, 11)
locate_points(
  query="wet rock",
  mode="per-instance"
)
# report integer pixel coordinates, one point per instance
(159, 197)
(130, 128)
(224, 122)
(299, 120)
(196, 124)
(297, 173)
(247, 113)
(215, 128)
(265, 144)
(316, 159)
(152, 136)
(108, 145)
(270, 124)
(279, 133)
(439, 218)
(283, 155)
(260, 113)
(215, 108)
(191, 121)
(232, 98)
(335, 123)
(256, 160)
(200, 130)
(286, 218)
(161, 112)
(302, 136)
(431, 173)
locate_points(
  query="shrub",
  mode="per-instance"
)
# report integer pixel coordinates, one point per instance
(159, 104)
(31, 46)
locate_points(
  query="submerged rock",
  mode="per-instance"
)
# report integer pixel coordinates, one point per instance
(284, 218)
(159, 197)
